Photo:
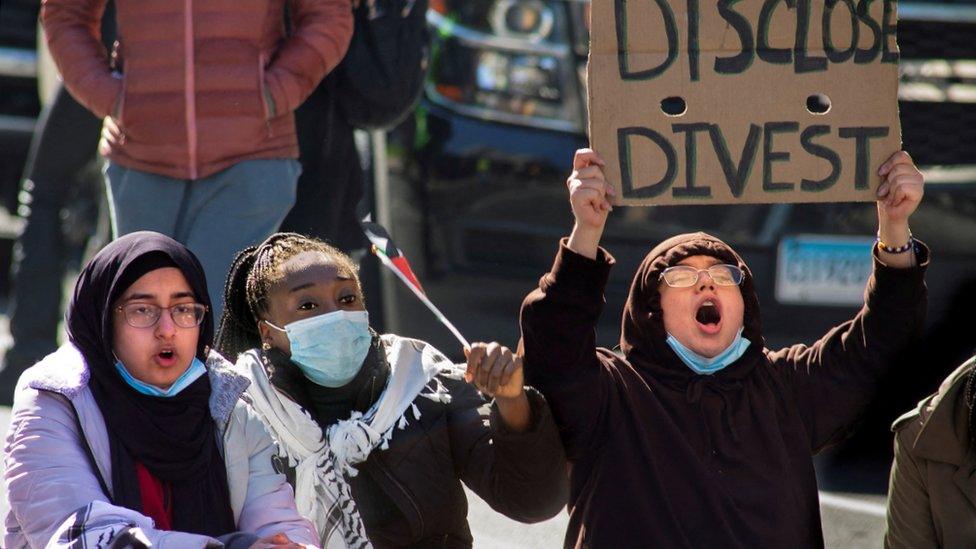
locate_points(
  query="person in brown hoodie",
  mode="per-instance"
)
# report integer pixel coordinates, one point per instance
(694, 434)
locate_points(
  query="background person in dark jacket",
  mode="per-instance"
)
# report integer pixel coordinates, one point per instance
(695, 435)
(932, 495)
(382, 429)
(64, 143)
(59, 205)
(331, 183)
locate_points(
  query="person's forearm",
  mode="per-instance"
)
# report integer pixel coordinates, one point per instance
(316, 45)
(70, 27)
(516, 413)
(558, 320)
(895, 234)
(585, 240)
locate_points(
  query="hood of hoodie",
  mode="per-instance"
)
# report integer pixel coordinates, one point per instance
(643, 339)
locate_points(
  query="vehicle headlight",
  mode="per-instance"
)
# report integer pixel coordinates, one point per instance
(526, 19)
(506, 60)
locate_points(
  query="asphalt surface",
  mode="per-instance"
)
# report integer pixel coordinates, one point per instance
(851, 519)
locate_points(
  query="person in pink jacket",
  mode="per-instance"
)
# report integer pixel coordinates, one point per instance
(197, 97)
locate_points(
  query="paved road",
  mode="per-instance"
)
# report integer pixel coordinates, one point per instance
(851, 521)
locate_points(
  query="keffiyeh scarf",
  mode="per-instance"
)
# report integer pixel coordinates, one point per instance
(322, 492)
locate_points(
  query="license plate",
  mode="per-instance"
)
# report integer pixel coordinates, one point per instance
(823, 270)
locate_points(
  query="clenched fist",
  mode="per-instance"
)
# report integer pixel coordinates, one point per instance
(901, 188)
(589, 190)
(494, 370)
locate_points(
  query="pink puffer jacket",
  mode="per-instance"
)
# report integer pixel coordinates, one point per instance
(190, 98)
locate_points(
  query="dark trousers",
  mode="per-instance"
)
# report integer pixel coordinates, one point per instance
(331, 184)
(331, 188)
(64, 144)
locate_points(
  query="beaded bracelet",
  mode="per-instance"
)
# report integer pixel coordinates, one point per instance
(900, 249)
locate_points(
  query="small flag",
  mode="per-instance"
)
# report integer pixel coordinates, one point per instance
(382, 241)
(394, 259)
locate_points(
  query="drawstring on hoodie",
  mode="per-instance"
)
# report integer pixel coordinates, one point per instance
(694, 394)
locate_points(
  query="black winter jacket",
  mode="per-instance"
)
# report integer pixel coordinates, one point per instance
(410, 494)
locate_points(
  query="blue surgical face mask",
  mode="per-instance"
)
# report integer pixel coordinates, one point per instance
(191, 374)
(707, 366)
(330, 348)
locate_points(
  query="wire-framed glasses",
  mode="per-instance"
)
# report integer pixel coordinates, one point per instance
(146, 315)
(683, 276)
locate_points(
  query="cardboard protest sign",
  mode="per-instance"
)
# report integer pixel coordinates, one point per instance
(743, 101)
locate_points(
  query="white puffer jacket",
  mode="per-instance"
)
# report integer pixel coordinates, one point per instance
(50, 478)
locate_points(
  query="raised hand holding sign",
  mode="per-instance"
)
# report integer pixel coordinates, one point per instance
(589, 197)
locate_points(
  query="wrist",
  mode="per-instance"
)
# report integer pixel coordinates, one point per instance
(515, 411)
(895, 246)
(512, 400)
(585, 240)
(891, 247)
(894, 235)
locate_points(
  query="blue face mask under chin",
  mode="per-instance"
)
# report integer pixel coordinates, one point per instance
(707, 366)
(330, 348)
(192, 373)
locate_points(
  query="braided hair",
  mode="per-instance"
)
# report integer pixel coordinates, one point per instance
(253, 274)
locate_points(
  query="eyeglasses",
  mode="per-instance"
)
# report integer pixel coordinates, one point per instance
(145, 315)
(683, 276)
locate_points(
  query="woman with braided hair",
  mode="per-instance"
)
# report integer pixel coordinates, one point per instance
(378, 431)
(932, 494)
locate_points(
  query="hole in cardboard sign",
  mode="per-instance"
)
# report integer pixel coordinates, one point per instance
(818, 103)
(673, 106)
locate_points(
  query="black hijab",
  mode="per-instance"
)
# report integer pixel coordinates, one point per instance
(175, 438)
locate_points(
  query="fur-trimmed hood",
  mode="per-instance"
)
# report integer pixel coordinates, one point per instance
(66, 373)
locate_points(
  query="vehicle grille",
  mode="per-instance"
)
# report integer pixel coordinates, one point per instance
(939, 130)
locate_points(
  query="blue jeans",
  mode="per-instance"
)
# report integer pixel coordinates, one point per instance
(215, 217)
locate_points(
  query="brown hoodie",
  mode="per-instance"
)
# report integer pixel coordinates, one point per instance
(664, 457)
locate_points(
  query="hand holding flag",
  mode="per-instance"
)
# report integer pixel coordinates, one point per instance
(495, 370)
(492, 368)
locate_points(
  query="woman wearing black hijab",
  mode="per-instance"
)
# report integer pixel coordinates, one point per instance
(694, 434)
(135, 425)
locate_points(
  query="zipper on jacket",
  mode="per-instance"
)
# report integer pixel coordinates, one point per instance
(264, 100)
(120, 110)
(190, 85)
(413, 503)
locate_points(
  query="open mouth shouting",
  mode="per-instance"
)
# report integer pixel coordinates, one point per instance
(708, 315)
(165, 357)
